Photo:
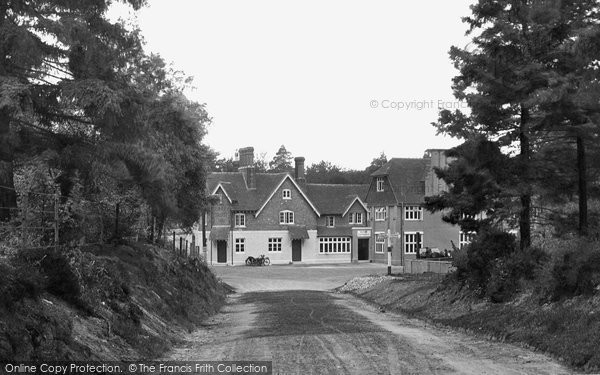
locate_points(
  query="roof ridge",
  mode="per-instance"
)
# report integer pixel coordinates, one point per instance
(319, 184)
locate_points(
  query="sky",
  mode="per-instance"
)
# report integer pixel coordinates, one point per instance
(340, 81)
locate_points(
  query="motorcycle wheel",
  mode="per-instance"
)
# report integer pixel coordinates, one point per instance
(266, 261)
(248, 261)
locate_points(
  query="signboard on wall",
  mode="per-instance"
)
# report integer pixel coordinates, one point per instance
(363, 233)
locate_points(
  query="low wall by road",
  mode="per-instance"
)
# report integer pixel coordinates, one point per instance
(422, 266)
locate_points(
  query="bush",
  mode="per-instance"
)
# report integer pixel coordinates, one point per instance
(574, 269)
(508, 271)
(482, 253)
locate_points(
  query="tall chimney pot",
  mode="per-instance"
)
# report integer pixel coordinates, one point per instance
(299, 170)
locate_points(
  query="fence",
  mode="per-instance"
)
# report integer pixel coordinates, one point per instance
(184, 244)
(422, 266)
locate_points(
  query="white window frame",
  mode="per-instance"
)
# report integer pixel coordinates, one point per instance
(330, 221)
(357, 216)
(465, 238)
(410, 242)
(335, 245)
(286, 194)
(240, 245)
(240, 220)
(379, 182)
(286, 217)
(413, 213)
(274, 245)
(380, 242)
(351, 218)
(380, 213)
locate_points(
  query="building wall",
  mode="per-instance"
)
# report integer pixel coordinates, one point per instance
(438, 233)
(220, 213)
(268, 219)
(256, 244)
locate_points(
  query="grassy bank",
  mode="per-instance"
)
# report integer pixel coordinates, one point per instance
(568, 329)
(103, 302)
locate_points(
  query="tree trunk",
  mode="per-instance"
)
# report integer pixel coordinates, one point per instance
(8, 195)
(525, 214)
(582, 185)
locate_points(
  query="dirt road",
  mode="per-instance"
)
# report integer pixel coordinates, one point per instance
(320, 332)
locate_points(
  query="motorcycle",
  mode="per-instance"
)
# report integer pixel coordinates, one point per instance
(260, 261)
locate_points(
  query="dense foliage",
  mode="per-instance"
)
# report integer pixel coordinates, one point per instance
(81, 101)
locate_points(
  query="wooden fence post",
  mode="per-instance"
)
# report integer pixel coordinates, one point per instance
(173, 241)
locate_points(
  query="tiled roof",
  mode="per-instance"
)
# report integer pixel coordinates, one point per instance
(328, 198)
(235, 186)
(334, 199)
(337, 231)
(407, 177)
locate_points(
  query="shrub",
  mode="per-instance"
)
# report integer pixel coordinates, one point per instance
(482, 253)
(574, 269)
(508, 271)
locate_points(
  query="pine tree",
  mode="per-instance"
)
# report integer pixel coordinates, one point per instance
(282, 161)
(62, 67)
(512, 60)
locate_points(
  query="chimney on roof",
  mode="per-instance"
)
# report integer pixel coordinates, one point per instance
(246, 166)
(299, 170)
(436, 159)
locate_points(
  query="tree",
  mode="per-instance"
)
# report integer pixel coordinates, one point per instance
(80, 90)
(376, 163)
(325, 172)
(62, 68)
(282, 161)
(501, 77)
(260, 164)
(569, 105)
(479, 179)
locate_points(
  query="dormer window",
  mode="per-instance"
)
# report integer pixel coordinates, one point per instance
(380, 183)
(287, 194)
(286, 217)
(330, 221)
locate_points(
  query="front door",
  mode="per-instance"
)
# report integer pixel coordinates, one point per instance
(363, 249)
(221, 251)
(296, 250)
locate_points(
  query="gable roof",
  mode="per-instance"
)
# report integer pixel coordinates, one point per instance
(287, 176)
(244, 199)
(220, 186)
(407, 178)
(234, 186)
(335, 199)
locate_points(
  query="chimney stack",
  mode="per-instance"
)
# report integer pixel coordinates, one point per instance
(299, 170)
(246, 166)
(246, 156)
(436, 159)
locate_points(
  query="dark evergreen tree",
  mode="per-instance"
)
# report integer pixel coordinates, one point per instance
(282, 161)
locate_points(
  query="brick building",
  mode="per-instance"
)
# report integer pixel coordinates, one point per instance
(289, 220)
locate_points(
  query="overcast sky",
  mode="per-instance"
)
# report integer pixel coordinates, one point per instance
(331, 80)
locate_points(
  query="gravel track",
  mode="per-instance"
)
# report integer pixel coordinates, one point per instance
(320, 332)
